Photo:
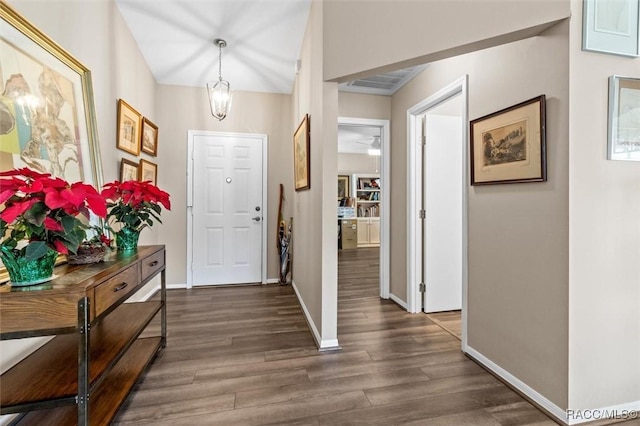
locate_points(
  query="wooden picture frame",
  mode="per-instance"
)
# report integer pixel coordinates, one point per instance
(509, 146)
(301, 155)
(343, 186)
(148, 172)
(611, 27)
(149, 137)
(129, 128)
(129, 170)
(623, 135)
(35, 72)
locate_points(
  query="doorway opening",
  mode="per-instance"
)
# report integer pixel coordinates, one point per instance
(437, 196)
(364, 193)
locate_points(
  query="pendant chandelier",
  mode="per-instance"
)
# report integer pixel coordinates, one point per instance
(219, 90)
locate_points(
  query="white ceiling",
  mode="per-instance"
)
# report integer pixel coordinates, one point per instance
(176, 39)
(263, 37)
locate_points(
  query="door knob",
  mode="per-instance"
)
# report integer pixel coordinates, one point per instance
(257, 218)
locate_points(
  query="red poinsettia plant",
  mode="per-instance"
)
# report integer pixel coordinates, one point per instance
(43, 212)
(135, 204)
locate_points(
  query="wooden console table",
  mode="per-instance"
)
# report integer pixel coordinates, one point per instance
(86, 371)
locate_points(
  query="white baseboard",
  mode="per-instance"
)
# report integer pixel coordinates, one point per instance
(273, 281)
(400, 302)
(175, 286)
(323, 345)
(536, 397)
(146, 296)
(570, 416)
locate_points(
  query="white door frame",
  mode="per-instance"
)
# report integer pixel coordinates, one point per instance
(385, 177)
(190, 173)
(414, 195)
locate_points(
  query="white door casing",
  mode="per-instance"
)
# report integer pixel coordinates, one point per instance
(227, 208)
(415, 190)
(385, 209)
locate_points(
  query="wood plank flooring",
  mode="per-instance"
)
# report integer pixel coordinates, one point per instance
(244, 356)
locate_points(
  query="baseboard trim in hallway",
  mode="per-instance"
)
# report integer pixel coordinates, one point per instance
(323, 345)
(522, 388)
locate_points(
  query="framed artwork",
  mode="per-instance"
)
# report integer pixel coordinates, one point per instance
(611, 26)
(129, 170)
(148, 172)
(47, 115)
(128, 133)
(343, 186)
(509, 146)
(43, 87)
(301, 160)
(149, 140)
(623, 139)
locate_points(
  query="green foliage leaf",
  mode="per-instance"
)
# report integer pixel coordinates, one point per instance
(36, 214)
(35, 250)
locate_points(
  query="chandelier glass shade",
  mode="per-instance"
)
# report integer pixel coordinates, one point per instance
(219, 91)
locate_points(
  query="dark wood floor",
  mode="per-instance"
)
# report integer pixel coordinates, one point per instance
(244, 356)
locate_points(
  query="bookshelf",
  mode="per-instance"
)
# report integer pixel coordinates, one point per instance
(367, 194)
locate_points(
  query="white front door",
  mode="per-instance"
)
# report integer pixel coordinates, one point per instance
(443, 196)
(227, 185)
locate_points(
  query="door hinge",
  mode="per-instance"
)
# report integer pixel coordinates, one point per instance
(423, 287)
(424, 140)
(422, 214)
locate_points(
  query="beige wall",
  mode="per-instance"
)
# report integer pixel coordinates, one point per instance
(518, 234)
(359, 105)
(365, 35)
(604, 308)
(358, 163)
(186, 108)
(315, 228)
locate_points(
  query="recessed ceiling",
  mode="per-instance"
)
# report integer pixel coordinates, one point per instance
(176, 39)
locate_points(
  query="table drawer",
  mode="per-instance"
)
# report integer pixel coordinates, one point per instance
(152, 264)
(115, 288)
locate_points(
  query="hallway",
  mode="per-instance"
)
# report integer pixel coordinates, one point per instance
(244, 356)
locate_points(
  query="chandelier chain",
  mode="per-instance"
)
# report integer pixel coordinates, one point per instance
(220, 61)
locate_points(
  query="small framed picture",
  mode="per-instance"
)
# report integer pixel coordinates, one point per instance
(128, 132)
(148, 171)
(343, 187)
(301, 159)
(624, 119)
(611, 26)
(149, 140)
(509, 146)
(128, 170)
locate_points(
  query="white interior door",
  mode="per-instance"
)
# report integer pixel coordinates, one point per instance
(443, 203)
(227, 209)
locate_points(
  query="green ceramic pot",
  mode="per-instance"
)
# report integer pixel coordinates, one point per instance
(127, 239)
(23, 272)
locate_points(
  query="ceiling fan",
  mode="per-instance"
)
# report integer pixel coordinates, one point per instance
(374, 144)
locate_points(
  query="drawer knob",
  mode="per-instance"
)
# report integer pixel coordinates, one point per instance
(120, 287)
(154, 263)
